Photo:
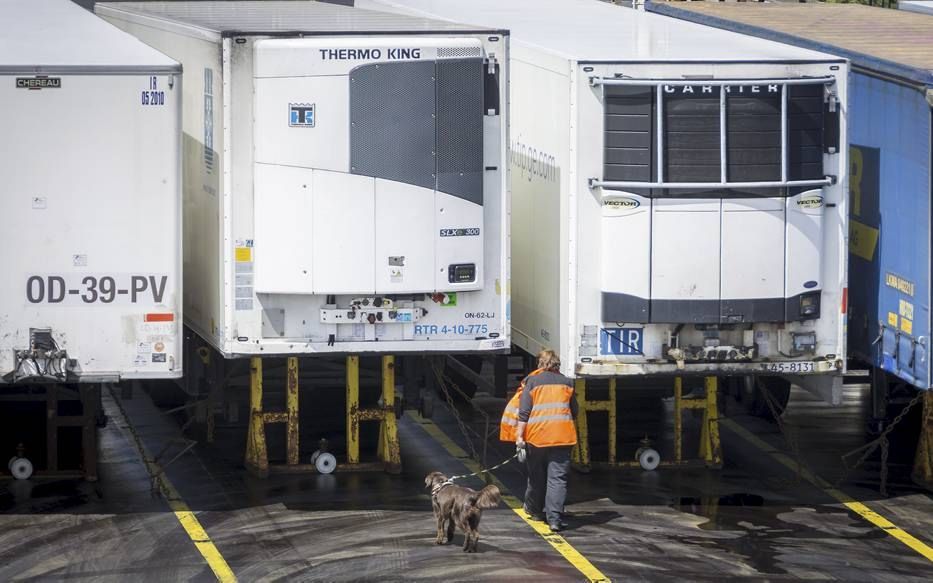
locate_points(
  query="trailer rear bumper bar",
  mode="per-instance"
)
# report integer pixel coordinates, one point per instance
(596, 81)
(612, 185)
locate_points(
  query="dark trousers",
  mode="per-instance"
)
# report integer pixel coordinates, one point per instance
(547, 480)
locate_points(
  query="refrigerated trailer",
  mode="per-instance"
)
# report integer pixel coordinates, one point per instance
(345, 179)
(890, 181)
(678, 193)
(91, 209)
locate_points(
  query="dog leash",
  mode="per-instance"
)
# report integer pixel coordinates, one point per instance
(451, 479)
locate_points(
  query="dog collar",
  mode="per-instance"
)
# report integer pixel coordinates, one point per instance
(440, 487)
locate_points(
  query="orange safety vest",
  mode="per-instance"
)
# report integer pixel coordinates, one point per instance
(550, 422)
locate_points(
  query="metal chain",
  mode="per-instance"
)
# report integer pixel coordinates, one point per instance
(870, 447)
(445, 381)
(442, 381)
(790, 438)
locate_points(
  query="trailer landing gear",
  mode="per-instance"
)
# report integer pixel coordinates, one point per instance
(256, 457)
(710, 451)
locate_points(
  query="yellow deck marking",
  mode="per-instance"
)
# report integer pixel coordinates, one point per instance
(854, 505)
(559, 543)
(185, 516)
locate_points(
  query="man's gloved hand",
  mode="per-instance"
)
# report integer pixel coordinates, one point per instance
(521, 451)
(519, 443)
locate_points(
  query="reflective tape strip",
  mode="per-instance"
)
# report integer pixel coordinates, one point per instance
(554, 405)
(511, 409)
(507, 421)
(542, 418)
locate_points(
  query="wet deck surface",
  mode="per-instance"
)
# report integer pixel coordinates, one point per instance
(752, 519)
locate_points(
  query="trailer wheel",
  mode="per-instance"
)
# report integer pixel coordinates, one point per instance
(21, 468)
(648, 458)
(326, 463)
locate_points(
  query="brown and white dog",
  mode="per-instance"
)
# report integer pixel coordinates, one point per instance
(459, 506)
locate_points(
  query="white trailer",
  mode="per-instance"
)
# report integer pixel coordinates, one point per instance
(679, 193)
(91, 205)
(345, 177)
(91, 200)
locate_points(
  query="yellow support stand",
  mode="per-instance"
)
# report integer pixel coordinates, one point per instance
(710, 450)
(710, 447)
(387, 450)
(257, 455)
(923, 463)
(257, 459)
(353, 407)
(581, 451)
(388, 428)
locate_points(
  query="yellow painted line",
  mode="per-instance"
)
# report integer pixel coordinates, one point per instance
(196, 532)
(188, 520)
(559, 543)
(854, 505)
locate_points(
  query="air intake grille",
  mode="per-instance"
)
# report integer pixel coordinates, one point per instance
(392, 123)
(458, 52)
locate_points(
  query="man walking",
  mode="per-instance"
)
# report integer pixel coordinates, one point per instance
(542, 424)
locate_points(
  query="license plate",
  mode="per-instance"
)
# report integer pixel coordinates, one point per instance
(789, 367)
(622, 341)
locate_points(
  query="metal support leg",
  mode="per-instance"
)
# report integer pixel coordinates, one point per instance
(710, 448)
(51, 428)
(501, 375)
(291, 409)
(581, 453)
(257, 459)
(923, 463)
(678, 419)
(210, 420)
(612, 420)
(353, 406)
(388, 428)
(90, 399)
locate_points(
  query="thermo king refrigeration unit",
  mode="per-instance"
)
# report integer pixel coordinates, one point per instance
(345, 179)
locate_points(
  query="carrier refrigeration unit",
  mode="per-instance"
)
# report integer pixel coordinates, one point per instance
(345, 178)
(91, 236)
(678, 193)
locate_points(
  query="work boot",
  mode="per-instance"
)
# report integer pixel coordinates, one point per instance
(557, 525)
(539, 516)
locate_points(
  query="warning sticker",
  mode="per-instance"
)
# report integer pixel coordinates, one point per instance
(244, 255)
(243, 279)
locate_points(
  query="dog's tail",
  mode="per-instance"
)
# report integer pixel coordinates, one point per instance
(488, 497)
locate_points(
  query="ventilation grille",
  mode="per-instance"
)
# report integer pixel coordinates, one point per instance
(460, 128)
(392, 123)
(458, 52)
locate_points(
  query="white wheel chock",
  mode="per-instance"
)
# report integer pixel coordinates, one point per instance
(21, 468)
(9, 464)
(325, 463)
(649, 459)
(314, 456)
